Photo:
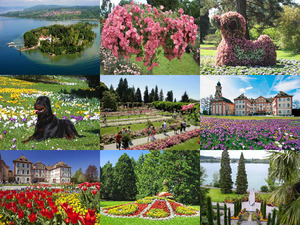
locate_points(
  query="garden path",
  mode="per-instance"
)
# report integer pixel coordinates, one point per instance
(133, 121)
(140, 141)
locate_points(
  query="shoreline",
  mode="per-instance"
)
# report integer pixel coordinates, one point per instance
(1, 15)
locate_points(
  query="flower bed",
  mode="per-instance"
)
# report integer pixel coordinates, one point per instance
(50, 206)
(283, 67)
(168, 142)
(153, 208)
(269, 134)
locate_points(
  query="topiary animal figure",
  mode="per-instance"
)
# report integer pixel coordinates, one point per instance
(235, 49)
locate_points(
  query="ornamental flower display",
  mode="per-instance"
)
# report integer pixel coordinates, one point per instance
(141, 29)
(151, 208)
(235, 49)
(45, 205)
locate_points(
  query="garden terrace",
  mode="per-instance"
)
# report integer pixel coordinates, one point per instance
(275, 134)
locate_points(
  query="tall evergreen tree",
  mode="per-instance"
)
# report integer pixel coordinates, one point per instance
(185, 97)
(225, 174)
(151, 95)
(210, 212)
(225, 214)
(149, 181)
(169, 96)
(241, 178)
(106, 178)
(156, 97)
(124, 180)
(138, 95)
(218, 214)
(146, 95)
(161, 95)
(182, 170)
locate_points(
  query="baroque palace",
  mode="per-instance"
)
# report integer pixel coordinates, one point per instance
(280, 105)
(26, 172)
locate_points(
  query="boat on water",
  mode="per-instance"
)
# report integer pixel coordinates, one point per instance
(10, 43)
(12, 46)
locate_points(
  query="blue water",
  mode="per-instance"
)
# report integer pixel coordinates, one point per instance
(256, 173)
(33, 62)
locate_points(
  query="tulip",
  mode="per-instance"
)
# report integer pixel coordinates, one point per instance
(32, 217)
(94, 192)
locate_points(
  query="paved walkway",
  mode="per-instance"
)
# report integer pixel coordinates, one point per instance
(144, 140)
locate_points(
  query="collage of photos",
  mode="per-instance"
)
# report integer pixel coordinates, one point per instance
(150, 112)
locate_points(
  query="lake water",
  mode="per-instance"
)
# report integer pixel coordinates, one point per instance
(34, 62)
(256, 173)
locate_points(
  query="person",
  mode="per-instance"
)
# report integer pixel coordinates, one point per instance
(153, 133)
(104, 118)
(164, 126)
(181, 127)
(124, 130)
(184, 125)
(118, 140)
(128, 130)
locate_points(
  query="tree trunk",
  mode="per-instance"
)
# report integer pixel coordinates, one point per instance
(241, 9)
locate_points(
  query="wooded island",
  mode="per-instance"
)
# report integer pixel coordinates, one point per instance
(59, 39)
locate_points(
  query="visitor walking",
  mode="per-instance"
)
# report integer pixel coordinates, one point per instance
(128, 130)
(153, 134)
(118, 140)
(104, 118)
(181, 127)
(164, 126)
(124, 130)
(184, 125)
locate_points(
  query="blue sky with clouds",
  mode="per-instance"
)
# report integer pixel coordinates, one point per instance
(113, 156)
(76, 158)
(178, 84)
(251, 86)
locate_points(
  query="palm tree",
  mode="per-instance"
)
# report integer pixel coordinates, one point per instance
(286, 170)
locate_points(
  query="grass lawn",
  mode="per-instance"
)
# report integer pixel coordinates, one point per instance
(17, 116)
(188, 145)
(105, 220)
(263, 196)
(187, 65)
(216, 195)
(133, 127)
(253, 117)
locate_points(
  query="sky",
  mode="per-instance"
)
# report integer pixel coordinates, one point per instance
(178, 84)
(252, 86)
(113, 156)
(75, 158)
(248, 154)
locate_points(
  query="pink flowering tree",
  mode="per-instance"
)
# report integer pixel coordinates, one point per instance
(235, 49)
(140, 29)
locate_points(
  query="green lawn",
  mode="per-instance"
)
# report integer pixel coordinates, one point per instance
(188, 145)
(252, 117)
(18, 130)
(133, 127)
(216, 195)
(281, 54)
(105, 220)
(187, 65)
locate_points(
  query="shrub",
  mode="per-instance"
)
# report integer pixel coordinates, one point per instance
(264, 188)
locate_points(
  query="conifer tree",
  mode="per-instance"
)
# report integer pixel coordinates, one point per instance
(225, 174)
(241, 178)
(209, 213)
(218, 214)
(124, 179)
(106, 178)
(138, 95)
(229, 217)
(161, 95)
(225, 214)
(156, 97)
(146, 95)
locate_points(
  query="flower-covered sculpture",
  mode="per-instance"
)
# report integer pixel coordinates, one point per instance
(235, 49)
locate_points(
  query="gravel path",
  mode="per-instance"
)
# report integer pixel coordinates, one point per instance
(145, 140)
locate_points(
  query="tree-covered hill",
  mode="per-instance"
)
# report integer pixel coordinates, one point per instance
(55, 12)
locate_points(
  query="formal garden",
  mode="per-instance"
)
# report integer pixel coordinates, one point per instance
(249, 132)
(264, 44)
(71, 98)
(130, 121)
(154, 188)
(271, 205)
(44, 204)
(158, 38)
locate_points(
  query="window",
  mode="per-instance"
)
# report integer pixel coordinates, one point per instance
(236, 106)
(27, 165)
(17, 164)
(288, 111)
(27, 179)
(240, 106)
(279, 111)
(243, 106)
(27, 171)
(283, 99)
(22, 171)
(283, 111)
(283, 104)
(23, 164)
(279, 105)
(288, 99)
(279, 99)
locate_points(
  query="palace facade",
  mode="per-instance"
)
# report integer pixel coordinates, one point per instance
(280, 105)
(27, 172)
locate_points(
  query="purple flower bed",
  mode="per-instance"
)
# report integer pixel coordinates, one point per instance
(269, 134)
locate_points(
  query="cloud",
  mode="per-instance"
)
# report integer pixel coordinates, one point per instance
(243, 90)
(288, 85)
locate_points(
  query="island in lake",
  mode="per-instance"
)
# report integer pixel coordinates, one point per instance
(59, 39)
(56, 12)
